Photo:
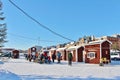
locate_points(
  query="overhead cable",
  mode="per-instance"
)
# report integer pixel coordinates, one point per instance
(41, 25)
(30, 38)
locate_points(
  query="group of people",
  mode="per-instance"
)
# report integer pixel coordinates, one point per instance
(30, 57)
(44, 58)
(59, 58)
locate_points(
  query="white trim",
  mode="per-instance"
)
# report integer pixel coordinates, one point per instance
(52, 49)
(73, 48)
(98, 42)
(100, 52)
(110, 51)
(61, 49)
(91, 53)
(76, 55)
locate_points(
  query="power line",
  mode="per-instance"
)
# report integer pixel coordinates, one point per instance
(41, 25)
(31, 38)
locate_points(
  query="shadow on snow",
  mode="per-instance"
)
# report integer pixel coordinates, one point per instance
(32, 77)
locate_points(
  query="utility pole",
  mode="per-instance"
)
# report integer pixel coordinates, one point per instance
(38, 41)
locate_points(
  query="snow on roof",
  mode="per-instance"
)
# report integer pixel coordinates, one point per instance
(61, 49)
(53, 49)
(98, 42)
(73, 47)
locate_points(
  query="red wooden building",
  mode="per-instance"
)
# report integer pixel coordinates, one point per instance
(63, 53)
(52, 51)
(15, 54)
(97, 50)
(77, 52)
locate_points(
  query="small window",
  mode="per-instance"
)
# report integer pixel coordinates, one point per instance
(91, 55)
(106, 52)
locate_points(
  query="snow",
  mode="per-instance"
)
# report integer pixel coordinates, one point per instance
(73, 47)
(98, 42)
(1, 62)
(21, 69)
(6, 75)
(61, 49)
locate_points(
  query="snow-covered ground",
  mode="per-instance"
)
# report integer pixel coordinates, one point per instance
(21, 69)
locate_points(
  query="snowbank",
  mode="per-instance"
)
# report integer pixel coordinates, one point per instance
(6, 75)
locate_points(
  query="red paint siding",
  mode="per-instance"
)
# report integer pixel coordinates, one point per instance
(74, 55)
(15, 54)
(106, 50)
(63, 53)
(93, 48)
(80, 54)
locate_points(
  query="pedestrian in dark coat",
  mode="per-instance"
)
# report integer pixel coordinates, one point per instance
(53, 57)
(59, 56)
(30, 57)
(69, 58)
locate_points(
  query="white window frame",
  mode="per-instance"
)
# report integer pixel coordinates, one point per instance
(91, 55)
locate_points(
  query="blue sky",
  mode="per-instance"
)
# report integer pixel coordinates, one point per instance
(70, 18)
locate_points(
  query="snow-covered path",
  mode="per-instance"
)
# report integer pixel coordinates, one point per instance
(34, 71)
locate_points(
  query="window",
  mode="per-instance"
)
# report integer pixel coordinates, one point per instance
(106, 52)
(91, 55)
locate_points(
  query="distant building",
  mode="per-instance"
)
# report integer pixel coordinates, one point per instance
(6, 50)
(37, 49)
(115, 39)
(61, 45)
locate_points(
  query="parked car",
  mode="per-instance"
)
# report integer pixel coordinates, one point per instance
(115, 56)
(7, 54)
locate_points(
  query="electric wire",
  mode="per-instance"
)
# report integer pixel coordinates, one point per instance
(24, 37)
(41, 25)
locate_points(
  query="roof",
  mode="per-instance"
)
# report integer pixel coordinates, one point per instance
(61, 49)
(73, 47)
(98, 42)
(53, 49)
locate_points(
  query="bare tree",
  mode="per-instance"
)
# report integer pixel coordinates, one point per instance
(115, 47)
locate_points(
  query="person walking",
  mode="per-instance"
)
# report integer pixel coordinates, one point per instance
(46, 57)
(30, 57)
(69, 58)
(53, 57)
(58, 56)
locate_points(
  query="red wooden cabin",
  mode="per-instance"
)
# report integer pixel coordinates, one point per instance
(15, 54)
(97, 50)
(63, 53)
(77, 52)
